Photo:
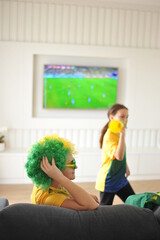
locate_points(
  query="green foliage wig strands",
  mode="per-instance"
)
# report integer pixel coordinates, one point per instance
(51, 146)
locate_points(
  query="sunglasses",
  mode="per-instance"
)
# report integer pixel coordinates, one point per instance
(72, 165)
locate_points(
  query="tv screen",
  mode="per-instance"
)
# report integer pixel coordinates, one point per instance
(79, 87)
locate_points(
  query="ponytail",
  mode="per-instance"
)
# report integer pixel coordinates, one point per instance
(104, 130)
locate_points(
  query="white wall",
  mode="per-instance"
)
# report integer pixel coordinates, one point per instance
(126, 35)
(138, 84)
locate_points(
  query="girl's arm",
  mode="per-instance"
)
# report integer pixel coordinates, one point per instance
(119, 154)
(80, 200)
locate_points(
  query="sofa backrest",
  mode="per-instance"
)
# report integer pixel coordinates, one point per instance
(19, 221)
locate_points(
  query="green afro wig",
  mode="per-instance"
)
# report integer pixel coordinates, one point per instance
(51, 146)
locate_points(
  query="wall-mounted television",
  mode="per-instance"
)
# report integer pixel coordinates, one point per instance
(79, 87)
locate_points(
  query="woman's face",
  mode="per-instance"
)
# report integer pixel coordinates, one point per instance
(69, 172)
(121, 115)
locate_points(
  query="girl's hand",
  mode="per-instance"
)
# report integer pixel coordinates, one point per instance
(51, 170)
(123, 129)
(95, 198)
(127, 171)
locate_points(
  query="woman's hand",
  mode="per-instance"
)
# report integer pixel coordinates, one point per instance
(81, 200)
(51, 170)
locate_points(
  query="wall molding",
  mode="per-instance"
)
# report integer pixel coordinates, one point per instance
(63, 23)
(143, 149)
(137, 140)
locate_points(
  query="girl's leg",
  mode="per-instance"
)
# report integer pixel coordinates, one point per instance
(106, 198)
(125, 192)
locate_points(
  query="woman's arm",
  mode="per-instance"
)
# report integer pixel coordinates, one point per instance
(81, 200)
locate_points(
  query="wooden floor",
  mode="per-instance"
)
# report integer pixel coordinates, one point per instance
(20, 193)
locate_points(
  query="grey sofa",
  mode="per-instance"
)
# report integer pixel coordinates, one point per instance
(118, 222)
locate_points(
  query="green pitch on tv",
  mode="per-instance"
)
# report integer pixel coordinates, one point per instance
(79, 87)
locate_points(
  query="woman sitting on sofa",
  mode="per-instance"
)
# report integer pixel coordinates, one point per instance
(51, 166)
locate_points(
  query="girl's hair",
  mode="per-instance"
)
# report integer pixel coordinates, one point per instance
(51, 146)
(112, 111)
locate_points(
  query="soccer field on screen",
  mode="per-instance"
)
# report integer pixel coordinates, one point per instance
(79, 93)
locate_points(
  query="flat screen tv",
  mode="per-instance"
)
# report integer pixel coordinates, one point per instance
(79, 87)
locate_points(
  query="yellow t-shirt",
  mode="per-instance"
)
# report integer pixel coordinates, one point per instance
(111, 176)
(50, 196)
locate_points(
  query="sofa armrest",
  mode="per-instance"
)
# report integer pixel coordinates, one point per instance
(3, 203)
(156, 212)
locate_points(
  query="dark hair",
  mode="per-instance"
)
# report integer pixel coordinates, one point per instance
(112, 111)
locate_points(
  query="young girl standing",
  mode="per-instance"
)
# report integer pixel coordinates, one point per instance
(113, 173)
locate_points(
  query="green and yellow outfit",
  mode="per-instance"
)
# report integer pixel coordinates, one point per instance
(111, 177)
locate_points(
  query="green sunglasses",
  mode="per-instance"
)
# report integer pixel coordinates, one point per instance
(72, 165)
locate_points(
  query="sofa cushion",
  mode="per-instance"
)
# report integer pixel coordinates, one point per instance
(105, 223)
